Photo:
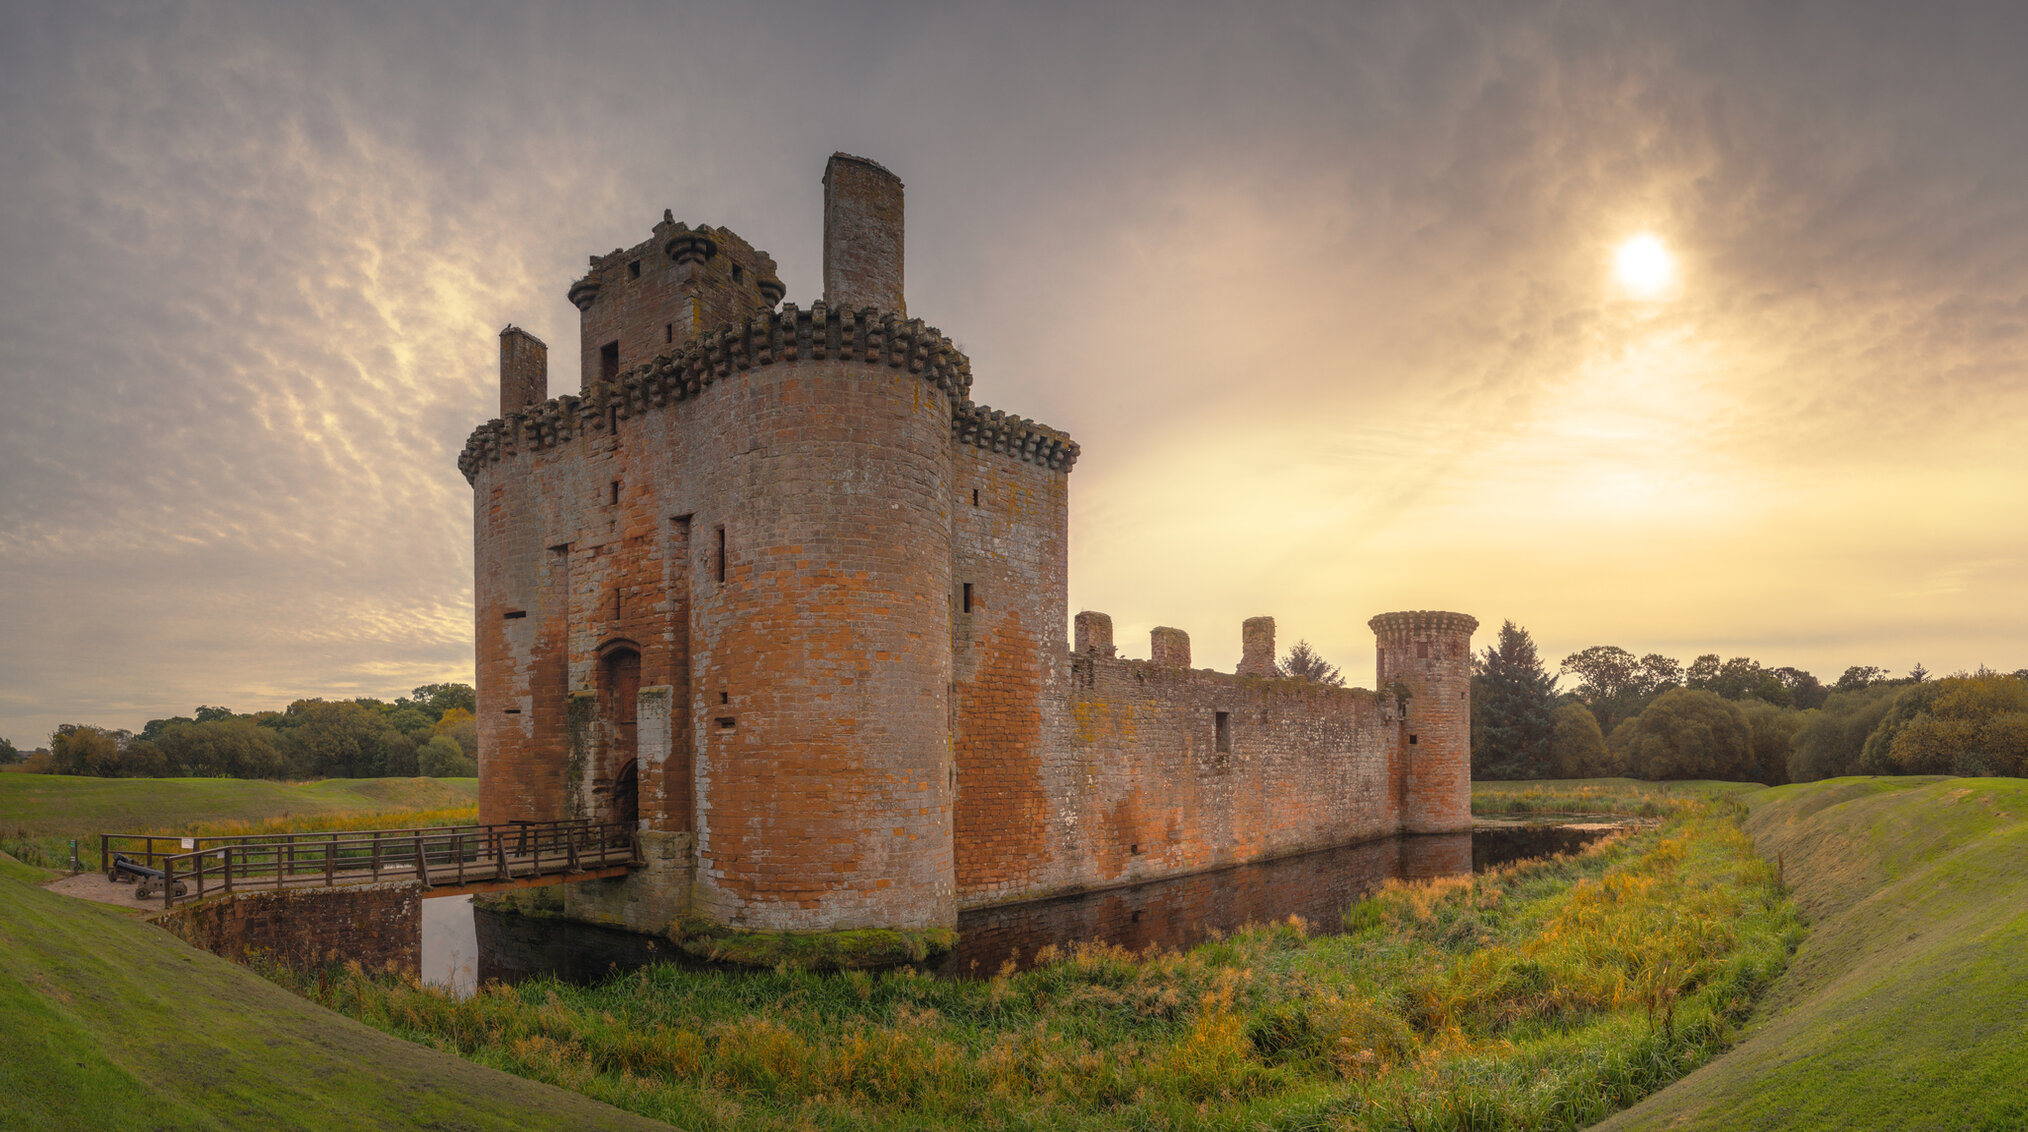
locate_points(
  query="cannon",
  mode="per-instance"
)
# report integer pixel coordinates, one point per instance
(126, 868)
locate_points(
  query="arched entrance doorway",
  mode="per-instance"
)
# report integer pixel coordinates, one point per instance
(619, 701)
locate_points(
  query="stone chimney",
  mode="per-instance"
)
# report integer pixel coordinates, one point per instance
(1257, 647)
(1095, 634)
(524, 370)
(862, 236)
(1169, 647)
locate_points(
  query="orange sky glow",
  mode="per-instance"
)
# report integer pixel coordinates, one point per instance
(1687, 331)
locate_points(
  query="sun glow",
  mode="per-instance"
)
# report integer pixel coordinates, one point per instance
(1643, 266)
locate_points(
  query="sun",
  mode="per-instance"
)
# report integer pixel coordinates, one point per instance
(1643, 266)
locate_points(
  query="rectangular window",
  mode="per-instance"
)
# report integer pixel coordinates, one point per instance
(609, 361)
(634, 270)
(512, 614)
(975, 497)
(1221, 726)
(968, 597)
(718, 567)
(668, 332)
(737, 274)
(613, 493)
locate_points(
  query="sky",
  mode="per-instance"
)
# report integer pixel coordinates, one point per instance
(1329, 294)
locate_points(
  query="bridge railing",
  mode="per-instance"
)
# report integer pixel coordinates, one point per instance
(437, 856)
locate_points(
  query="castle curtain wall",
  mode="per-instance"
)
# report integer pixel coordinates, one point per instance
(1137, 788)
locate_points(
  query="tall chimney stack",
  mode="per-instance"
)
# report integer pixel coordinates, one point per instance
(862, 236)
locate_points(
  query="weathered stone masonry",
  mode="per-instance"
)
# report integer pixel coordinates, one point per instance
(773, 587)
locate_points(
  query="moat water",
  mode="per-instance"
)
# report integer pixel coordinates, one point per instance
(464, 945)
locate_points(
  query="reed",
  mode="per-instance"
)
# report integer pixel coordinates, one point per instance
(1541, 995)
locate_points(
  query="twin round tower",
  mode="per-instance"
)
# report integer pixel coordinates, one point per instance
(773, 588)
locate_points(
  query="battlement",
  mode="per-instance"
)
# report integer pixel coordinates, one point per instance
(1014, 436)
(787, 335)
(1423, 624)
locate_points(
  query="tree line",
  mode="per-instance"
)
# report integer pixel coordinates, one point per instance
(429, 732)
(1652, 717)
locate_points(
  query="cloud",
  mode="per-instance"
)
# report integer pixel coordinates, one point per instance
(1324, 292)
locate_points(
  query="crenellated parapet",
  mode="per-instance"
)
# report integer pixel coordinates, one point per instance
(1425, 624)
(1014, 436)
(787, 335)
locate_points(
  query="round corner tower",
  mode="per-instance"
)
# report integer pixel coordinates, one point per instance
(1429, 653)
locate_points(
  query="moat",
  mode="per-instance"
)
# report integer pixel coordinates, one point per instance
(463, 945)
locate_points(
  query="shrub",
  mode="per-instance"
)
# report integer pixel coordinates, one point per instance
(1690, 733)
(1829, 742)
(1975, 725)
(1577, 748)
(442, 757)
(1773, 730)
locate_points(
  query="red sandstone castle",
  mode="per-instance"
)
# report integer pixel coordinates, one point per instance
(772, 586)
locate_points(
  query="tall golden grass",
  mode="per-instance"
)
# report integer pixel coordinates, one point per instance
(1543, 994)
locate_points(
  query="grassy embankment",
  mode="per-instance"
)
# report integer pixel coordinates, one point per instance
(1907, 1008)
(40, 813)
(1545, 994)
(109, 1023)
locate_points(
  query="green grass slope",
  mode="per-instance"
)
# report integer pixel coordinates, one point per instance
(107, 1022)
(1907, 1007)
(44, 805)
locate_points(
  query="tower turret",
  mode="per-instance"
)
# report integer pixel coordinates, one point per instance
(651, 299)
(1429, 653)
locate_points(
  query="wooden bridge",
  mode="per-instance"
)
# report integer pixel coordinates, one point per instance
(451, 860)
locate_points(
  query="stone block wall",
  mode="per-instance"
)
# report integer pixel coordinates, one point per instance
(1009, 661)
(380, 926)
(1147, 770)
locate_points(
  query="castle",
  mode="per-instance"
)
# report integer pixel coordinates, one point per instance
(771, 586)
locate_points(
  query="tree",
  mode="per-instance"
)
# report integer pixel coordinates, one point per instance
(1805, 690)
(1303, 663)
(436, 699)
(1772, 731)
(1859, 676)
(1577, 748)
(1702, 672)
(462, 728)
(1743, 678)
(1615, 685)
(442, 757)
(76, 748)
(143, 759)
(1658, 674)
(9, 754)
(1690, 733)
(234, 748)
(1828, 743)
(337, 740)
(1972, 725)
(1512, 698)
